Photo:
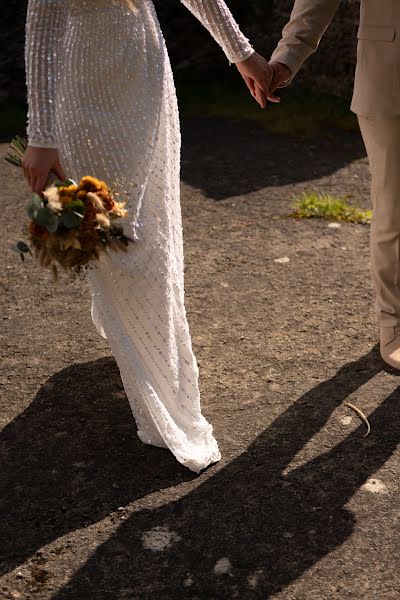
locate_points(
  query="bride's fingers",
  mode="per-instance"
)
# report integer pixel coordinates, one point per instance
(41, 183)
(255, 92)
(59, 171)
(250, 85)
(29, 178)
(260, 97)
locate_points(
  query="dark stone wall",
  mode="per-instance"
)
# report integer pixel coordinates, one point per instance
(12, 33)
(194, 54)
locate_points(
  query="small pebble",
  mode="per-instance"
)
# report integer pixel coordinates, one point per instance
(283, 260)
(376, 486)
(159, 539)
(334, 225)
(188, 581)
(222, 567)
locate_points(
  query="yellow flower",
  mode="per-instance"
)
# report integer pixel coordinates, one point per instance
(69, 190)
(92, 184)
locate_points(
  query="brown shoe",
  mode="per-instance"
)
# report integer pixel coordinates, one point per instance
(390, 346)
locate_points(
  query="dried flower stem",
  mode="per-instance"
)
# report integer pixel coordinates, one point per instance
(361, 415)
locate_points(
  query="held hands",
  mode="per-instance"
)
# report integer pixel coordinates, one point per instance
(263, 78)
(281, 75)
(37, 164)
(257, 75)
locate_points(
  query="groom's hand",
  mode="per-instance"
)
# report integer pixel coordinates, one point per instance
(280, 75)
(258, 76)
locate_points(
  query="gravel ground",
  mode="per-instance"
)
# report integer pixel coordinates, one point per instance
(302, 506)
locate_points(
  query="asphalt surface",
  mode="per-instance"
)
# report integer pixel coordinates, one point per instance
(302, 506)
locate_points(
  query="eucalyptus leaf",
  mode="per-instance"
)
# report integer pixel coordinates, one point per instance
(65, 183)
(71, 219)
(76, 206)
(46, 218)
(34, 204)
(23, 247)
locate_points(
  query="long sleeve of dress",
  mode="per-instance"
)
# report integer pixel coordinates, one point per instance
(43, 36)
(301, 36)
(217, 18)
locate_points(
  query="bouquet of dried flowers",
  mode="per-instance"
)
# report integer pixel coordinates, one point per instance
(71, 223)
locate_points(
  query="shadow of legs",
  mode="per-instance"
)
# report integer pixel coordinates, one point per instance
(72, 457)
(269, 525)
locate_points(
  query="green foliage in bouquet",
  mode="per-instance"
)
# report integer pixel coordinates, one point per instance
(70, 223)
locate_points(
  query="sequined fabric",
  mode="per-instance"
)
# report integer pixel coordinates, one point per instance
(100, 88)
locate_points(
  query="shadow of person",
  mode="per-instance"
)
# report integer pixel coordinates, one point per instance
(271, 525)
(213, 146)
(72, 457)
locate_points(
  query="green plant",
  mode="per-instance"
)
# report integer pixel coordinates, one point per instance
(324, 206)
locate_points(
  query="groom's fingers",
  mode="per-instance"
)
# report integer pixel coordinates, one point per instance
(260, 97)
(272, 97)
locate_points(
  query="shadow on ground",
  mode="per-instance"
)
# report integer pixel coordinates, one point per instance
(271, 526)
(261, 158)
(72, 457)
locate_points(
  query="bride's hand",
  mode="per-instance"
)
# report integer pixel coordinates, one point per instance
(37, 164)
(257, 75)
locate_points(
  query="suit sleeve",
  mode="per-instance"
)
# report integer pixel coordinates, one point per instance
(301, 36)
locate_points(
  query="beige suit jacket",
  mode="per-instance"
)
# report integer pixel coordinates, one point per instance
(377, 79)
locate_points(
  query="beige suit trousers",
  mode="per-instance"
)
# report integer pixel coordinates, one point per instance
(382, 141)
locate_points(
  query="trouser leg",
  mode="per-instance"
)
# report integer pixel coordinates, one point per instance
(382, 141)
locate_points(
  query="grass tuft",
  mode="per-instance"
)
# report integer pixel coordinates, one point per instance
(324, 206)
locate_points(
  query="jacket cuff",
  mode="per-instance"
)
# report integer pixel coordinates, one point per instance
(290, 59)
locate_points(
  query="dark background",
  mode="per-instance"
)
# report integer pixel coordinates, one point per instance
(193, 52)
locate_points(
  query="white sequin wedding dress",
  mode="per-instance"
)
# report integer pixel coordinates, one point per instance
(100, 89)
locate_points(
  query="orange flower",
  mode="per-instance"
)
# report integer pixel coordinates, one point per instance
(91, 184)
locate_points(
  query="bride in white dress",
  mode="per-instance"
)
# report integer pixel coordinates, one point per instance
(102, 102)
